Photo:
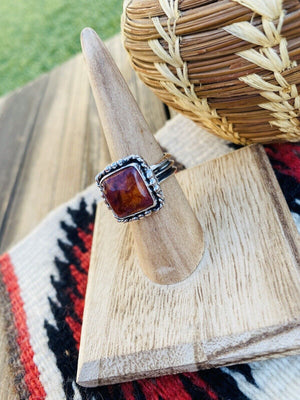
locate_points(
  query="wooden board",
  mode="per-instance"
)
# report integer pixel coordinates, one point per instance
(55, 112)
(51, 147)
(242, 303)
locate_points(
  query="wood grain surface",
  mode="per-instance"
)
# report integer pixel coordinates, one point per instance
(51, 147)
(242, 303)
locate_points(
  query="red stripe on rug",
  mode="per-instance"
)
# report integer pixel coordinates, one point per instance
(80, 279)
(76, 330)
(288, 157)
(197, 381)
(10, 280)
(87, 237)
(84, 256)
(128, 391)
(167, 387)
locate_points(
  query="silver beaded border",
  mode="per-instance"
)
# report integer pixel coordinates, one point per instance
(148, 177)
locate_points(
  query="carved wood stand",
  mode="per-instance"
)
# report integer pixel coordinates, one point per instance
(237, 296)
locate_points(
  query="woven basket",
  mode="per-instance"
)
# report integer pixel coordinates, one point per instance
(230, 65)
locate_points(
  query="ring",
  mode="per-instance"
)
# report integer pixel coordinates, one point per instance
(131, 188)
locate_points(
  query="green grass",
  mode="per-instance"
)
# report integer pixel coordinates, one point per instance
(36, 35)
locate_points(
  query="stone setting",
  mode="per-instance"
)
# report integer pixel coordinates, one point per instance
(126, 192)
(130, 189)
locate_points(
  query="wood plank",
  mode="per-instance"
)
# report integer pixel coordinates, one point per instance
(63, 155)
(50, 172)
(244, 294)
(7, 388)
(49, 130)
(18, 112)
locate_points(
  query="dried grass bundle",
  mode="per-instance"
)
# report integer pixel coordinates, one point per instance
(230, 65)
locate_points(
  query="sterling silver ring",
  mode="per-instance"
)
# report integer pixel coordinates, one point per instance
(131, 188)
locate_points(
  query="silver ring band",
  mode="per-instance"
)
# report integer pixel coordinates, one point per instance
(131, 188)
(164, 168)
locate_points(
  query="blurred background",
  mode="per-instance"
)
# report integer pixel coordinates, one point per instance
(36, 35)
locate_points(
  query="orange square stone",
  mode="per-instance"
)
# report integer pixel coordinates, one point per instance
(126, 192)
